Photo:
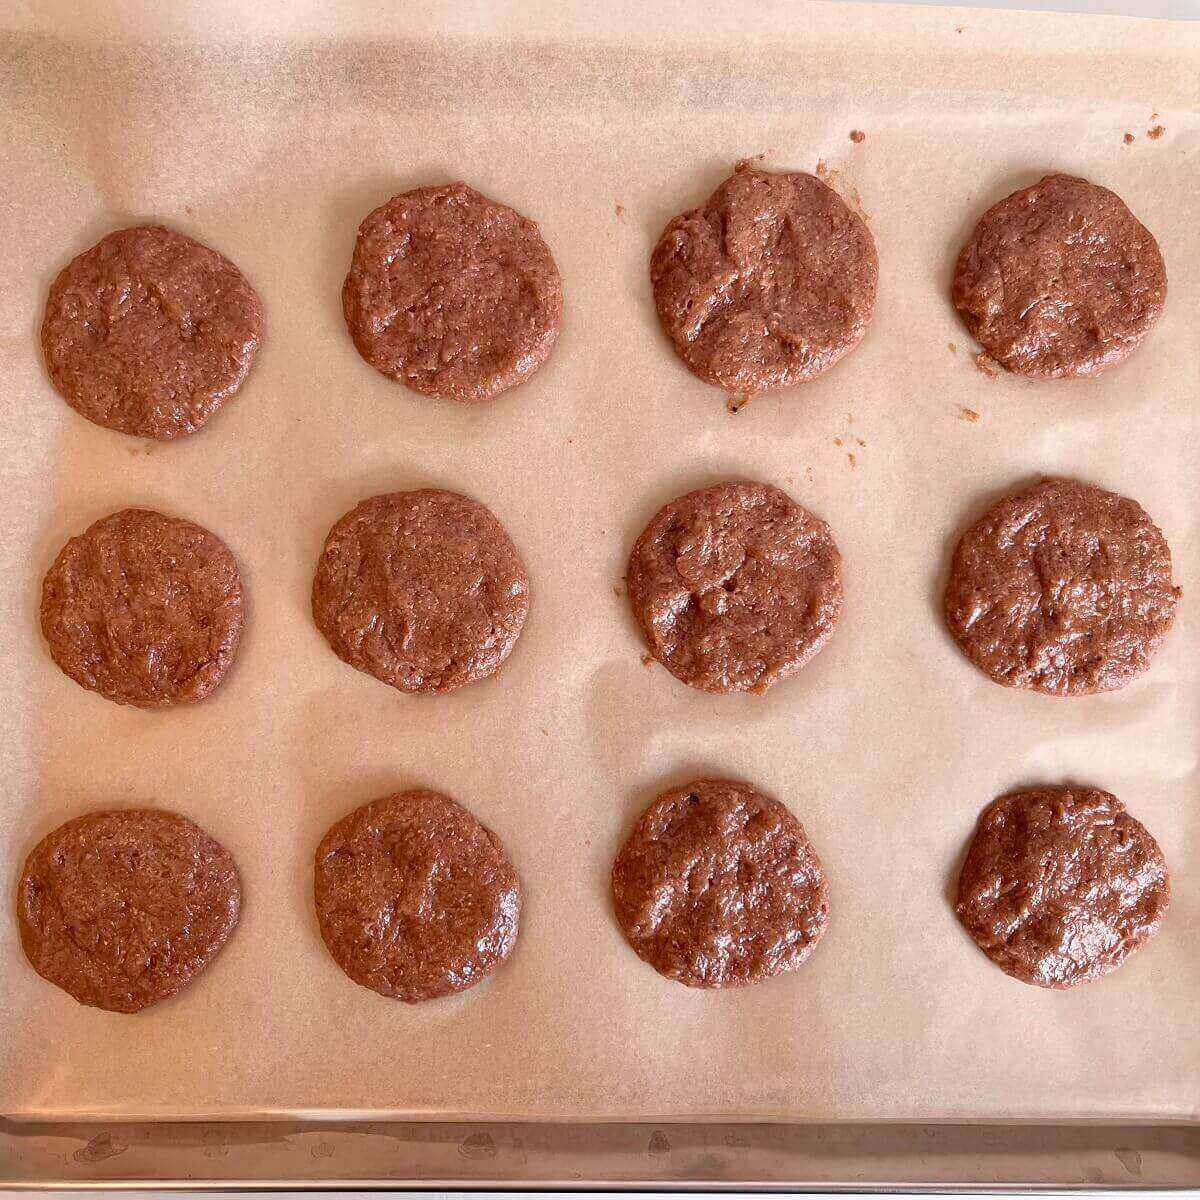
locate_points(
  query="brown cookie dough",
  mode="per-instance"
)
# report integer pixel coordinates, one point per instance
(1060, 280)
(149, 332)
(123, 909)
(718, 886)
(144, 609)
(1061, 885)
(452, 294)
(424, 590)
(415, 898)
(768, 283)
(1063, 588)
(735, 586)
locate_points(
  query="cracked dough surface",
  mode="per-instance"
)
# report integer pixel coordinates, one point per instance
(122, 909)
(415, 898)
(1060, 280)
(424, 590)
(735, 586)
(768, 283)
(1060, 885)
(144, 609)
(452, 294)
(1062, 588)
(718, 886)
(150, 332)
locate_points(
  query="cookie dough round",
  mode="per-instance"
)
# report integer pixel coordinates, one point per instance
(1063, 588)
(767, 284)
(1060, 280)
(718, 886)
(735, 586)
(452, 294)
(149, 332)
(415, 898)
(123, 909)
(424, 590)
(144, 609)
(1061, 885)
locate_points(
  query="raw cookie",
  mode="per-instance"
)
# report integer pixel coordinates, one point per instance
(718, 886)
(1060, 280)
(768, 283)
(123, 909)
(424, 590)
(1063, 588)
(149, 332)
(144, 609)
(415, 898)
(1061, 885)
(735, 586)
(452, 294)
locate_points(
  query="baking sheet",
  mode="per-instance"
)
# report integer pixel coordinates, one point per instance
(269, 136)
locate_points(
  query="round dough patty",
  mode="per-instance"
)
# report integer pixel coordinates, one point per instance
(735, 586)
(415, 898)
(1061, 885)
(144, 609)
(718, 886)
(123, 909)
(452, 294)
(424, 590)
(768, 283)
(1063, 588)
(149, 332)
(1060, 280)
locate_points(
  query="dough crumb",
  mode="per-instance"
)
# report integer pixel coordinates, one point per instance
(969, 414)
(853, 460)
(953, 347)
(838, 442)
(647, 661)
(857, 136)
(1156, 132)
(988, 365)
(735, 404)
(860, 442)
(1129, 139)
(617, 590)
(620, 211)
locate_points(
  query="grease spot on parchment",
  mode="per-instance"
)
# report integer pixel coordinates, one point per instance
(102, 1146)
(1131, 1160)
(478, 1146)
(660, 1144)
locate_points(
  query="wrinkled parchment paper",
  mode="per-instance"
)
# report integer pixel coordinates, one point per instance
(269, 137)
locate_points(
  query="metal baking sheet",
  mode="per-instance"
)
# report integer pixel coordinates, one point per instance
(270, 134)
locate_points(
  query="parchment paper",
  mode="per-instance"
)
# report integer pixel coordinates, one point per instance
(270, 136)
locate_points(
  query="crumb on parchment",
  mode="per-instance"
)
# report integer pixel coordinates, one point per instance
(988, 365)
(969, 414)
(857, 136)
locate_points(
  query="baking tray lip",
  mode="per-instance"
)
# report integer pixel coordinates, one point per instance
(1170, 1174)
(576, 1187)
